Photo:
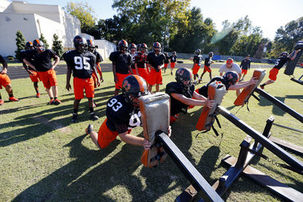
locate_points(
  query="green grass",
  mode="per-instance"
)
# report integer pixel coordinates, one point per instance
(44, 157)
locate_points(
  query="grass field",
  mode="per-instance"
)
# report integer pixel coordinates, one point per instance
(44, 157)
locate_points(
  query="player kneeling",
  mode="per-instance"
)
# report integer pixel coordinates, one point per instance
(81, 63)
(122, 114)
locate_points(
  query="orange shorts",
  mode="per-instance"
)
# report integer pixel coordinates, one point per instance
(48, 78)
(144, 74)
(120, 78)
(4, 80)
(83, 84)
(105, 135)
(34, 76)
(172, 65)
(244, 71)
(273, 74)
(196, 68)
(206, 69)
(165, 65)
(155, 77)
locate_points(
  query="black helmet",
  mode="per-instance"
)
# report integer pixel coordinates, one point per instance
(122, 45)
(284, 54)
(231, 77)
(132, 46)
(184, 77)
(142, 47)
(198, 51)
(38, 44)
(157, 45)
(80, 43)
(210, 54)
(29, 45)
(90, 45)
(134, 86)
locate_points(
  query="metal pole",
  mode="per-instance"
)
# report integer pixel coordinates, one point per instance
(263, 140)
(280, 104)
(190, 172)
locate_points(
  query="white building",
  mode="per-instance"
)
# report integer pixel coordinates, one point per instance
(32, 20)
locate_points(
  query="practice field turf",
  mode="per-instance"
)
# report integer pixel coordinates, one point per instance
(45, 157)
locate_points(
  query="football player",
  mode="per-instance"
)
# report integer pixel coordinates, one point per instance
(283, 58)
(182, 94)
(122, 114)
(245, 65)
(166, 61)
(173, 59)
(41, 61)
(82, 64)
(140, 62)
(92, 48)
(155, 63)
(230, 66)
(133, 52)
(121, 61)
(230, 80)
(33, 75)
(207, 62)
(5, 82)
(197, 63)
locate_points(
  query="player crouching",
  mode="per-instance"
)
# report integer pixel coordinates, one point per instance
(122, 114)
(81, 63)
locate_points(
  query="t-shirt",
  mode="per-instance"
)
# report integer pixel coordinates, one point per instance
(204, 89)
(173, 58)
(175, 105)
(81, 64)
(207, 61)
(235, 67)
(121, 115)
(41, 61)
(280, 62)
(122, 61)
(140, 59)
(245, 64)
(198, 59)
(155, 60)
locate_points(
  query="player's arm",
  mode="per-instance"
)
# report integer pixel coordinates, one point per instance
(94, 66)
(98, 67)
(114, 71)
(29, 64)
(4, 64)
(294, 55)
(68, 76)
(243, 84)
(136, 67)
(134, 140)
(57, 59)
(188, 101)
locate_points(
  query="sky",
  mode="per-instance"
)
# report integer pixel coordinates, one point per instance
(267, 14)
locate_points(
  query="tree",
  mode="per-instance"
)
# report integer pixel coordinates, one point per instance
(20, 43)
(57, 45)
(84, 13)
(287, 36)
(42, 38)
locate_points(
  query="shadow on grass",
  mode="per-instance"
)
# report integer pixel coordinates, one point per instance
(68, 184)
(298, 97)
(275, 110)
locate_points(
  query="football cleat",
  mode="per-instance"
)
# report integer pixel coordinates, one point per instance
(89, 129)
(93, 116)
(74, 118)
(13, 99)
(37, 95)
(1, 102)
(51, 102)
(56, 102)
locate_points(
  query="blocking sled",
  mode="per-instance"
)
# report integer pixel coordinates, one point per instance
(155, 110)
(216, 91)
(246, 92)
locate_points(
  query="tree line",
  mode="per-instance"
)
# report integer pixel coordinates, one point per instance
(183, 29)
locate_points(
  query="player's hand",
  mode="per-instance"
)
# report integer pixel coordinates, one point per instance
(4, 71)
(98, 82)
(169, 131)
(68, 86)
(146, 144)
(101, 79)
(210, 103)
(253, 81)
